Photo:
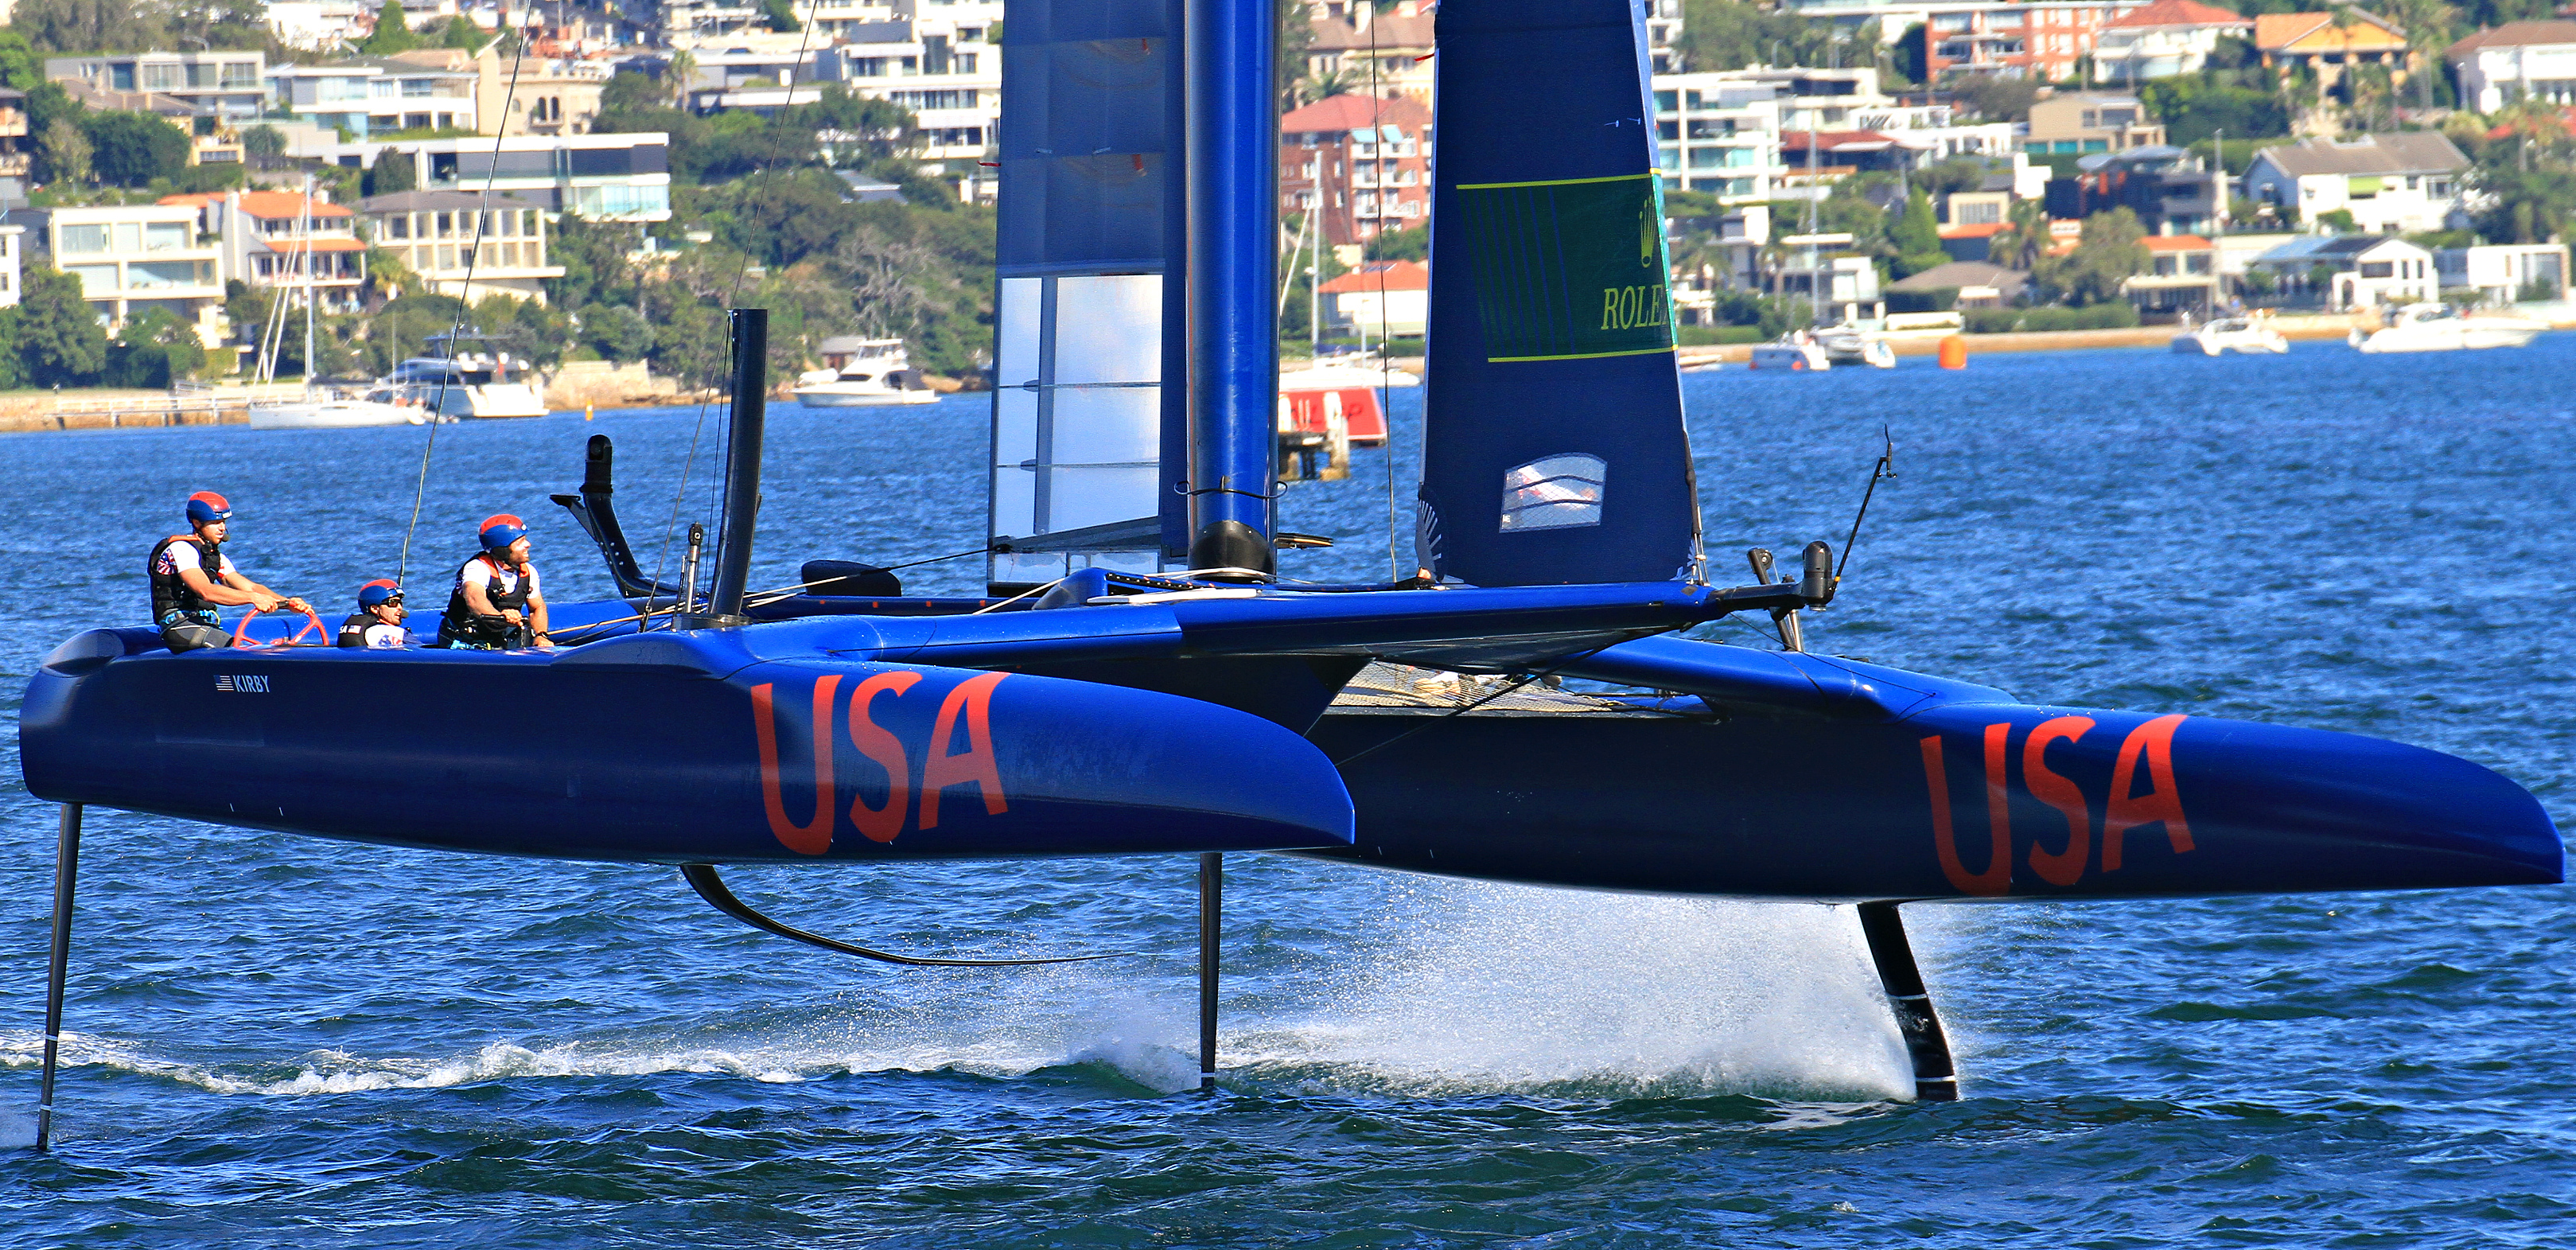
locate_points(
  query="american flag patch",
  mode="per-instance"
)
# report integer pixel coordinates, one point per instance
(243, 683)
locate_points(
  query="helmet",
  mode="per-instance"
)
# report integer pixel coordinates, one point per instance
(501, 531)
(206, 507)
(378, 593)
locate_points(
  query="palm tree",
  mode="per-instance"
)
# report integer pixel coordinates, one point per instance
(682, 68)
(2427, 24)
(2026, 240)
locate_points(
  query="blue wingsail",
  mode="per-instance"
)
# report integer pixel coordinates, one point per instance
(1553, 444)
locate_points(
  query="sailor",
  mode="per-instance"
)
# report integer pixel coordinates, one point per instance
(378, 622)
(496, 603)
(192, 579)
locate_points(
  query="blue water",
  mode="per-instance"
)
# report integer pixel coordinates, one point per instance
(283, 1042)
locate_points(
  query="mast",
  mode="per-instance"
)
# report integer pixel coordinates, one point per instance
(1232, 137)
(304, 227)
(1815, 300)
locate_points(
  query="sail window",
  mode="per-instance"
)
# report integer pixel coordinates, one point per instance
(1554, 492)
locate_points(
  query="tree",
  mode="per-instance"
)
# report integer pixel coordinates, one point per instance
(462, 34)
(1731, 34)
(392, 33)
(780, 16)
(264, 141)
(678, 74)
(616, 332)
(1998, 99)
(2111, 250)
(66, 27)
(132, 149)
(155, 350)
(59, 339)
(1410, 243)
(2024, 240)
(1917, 237)
(64, 152)
(21, 66)
(393, 171)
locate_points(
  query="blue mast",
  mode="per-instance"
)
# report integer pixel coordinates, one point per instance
(1232, 173)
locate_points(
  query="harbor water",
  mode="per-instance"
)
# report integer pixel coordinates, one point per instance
(277, 1041)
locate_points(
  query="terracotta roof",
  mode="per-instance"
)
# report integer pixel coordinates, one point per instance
(2177, 13)
(2177, 243)
(2405, 152)
(291, 246)
(1350, 112)
(198, 199)
(1381, 275)
(2517, 35)
(275, 204)
(1984, 230)
(2275, 32)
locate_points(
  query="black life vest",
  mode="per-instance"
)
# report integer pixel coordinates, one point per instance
(461, 623)
(171, 592)
(353, 631)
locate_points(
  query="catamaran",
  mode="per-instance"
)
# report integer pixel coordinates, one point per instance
(1141, 678)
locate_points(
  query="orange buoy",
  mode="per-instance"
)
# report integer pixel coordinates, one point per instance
(1954, 352)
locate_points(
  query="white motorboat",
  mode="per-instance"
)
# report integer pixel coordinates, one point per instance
(870, 373)
(2441, 328)
(1335, 373)
(1796, 351)
(2246, 335)
(1851, 345)
(468, 383)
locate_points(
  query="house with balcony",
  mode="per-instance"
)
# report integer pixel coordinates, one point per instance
(1373, 51)
(228, 85)
(2400, 183)
(367, 96)
(131, 259)
(436, 235)
(2312, 42)
(2078, 122)
(1360, 165)
(1378, 299)
(2180, 279)
(2516, 61)
(600, 177)
(283, 240)
(2343, 271)
(2164, 39)
(514, 96)
(2046, 40)
(2172, 191)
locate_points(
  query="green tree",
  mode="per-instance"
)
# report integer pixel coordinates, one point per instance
(2111, 250)
(132, 149)
(392, 33)
(462, 34)
(264, 141)
(59, 339)
(1917, 237)
(13, 367)
(21, 66)
(780, 16)
(1731, 34)
(62, 153)
(2025, 238)
(616, 332)
(392, 172)
(155, 350)
(1997, 98)
(1410, 243)
(65, 27)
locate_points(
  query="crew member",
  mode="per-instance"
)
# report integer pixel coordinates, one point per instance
(378, 622)
(496, 603)
(192, 579)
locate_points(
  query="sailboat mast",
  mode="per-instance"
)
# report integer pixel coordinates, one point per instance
(304, 227)
(1815, 300)
(1232, 138)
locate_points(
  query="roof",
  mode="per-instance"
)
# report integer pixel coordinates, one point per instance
(2177, 243)
(313, 245)
(276, 204)
(2405, 152)
(1381, 275)
(2516, 35)
(2277, 32)
(435, 201)
(2177, 13)
(1959, 273)
(1387, 32)
(1350, 112)
(2327, 247)
(1982, 230)
(111, 101)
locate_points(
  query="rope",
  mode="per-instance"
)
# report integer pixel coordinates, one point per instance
(464, 307)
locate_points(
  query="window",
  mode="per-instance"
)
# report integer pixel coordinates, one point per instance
(163, 77)
(161, 273)
(965, 62)
(1707, 158)
(201, 75)
(920, 100)
(2378, 269)
(1665, 102)
(398, 226)
(866, 66)
(1979, 213)
(94, 279)
(120, 77)
(165, 236)
(2120, 117)
(84, 239)
(415, 86)
(241, 73)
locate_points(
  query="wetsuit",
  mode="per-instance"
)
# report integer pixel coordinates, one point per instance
(506, 587)
(189, 621)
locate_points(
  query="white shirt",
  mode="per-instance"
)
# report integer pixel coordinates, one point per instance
(483, 572)
(179, 556)
(383, 635)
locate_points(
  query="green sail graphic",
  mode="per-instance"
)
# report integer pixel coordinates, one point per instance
(1569, 270)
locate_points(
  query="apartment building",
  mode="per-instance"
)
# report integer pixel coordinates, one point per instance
(542, 95)
(2515, 61)
(436, 234)
(1362, 166)
(2074, 123)
(368, 96)
(229, 85)
(2172, 192)
(282, 239)
(135, 258)
(601, 177)
(1720, 133)
(2162, 40)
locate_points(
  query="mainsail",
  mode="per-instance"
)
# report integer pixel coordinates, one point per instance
(1553, 444)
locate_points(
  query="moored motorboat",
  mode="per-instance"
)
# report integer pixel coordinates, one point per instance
(1852, 345)
(2245, 335)
(2441, 328)
(474, 382)
(863, 373)
(1796, 351)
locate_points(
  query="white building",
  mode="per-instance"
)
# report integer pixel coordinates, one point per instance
(2164, 39)
(133, 259)
(375, 95)
(319, 25)
(12, 264)
(2360, 271)
(2502, 273)
(2392, 183)
(436, 234)
(2514, 61)
(601, 177)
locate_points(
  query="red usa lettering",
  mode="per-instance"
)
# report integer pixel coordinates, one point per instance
(913, 796)
(2147, 749)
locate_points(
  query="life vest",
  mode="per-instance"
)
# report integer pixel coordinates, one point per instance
(353, 631)
(171, 592)
(463, 624)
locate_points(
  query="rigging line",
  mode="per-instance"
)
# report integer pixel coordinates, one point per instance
(464, 308)
(1886, 468)
(1385, 402)
(1481, 701)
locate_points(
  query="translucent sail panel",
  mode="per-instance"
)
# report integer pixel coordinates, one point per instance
(1077, 425)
